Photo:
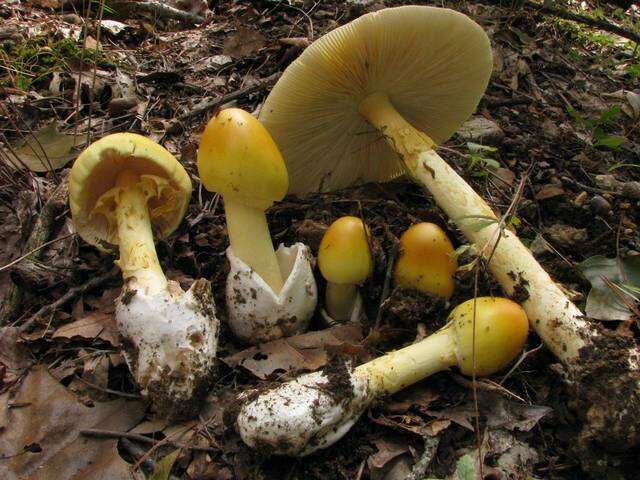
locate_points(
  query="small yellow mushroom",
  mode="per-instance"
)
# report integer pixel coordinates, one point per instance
(427, 262)
(345, 261)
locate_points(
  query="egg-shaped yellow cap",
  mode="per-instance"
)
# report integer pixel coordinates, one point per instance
(427, 262)
(237, 157)
(501, 331)
(344, 255)
(95, 172)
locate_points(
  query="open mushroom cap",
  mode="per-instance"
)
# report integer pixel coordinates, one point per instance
(93, 177)
(501, 331)
(433, 63)
(344, 255)
(427, 262)
(237, 157)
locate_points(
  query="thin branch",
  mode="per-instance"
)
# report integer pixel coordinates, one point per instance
(38, 248)
(94, 432)
(259, 85)
(592, 22)
(70, 295)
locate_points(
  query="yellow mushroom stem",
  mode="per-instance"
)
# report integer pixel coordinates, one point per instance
(554, 317)
(138, 258)
(340, 298)
(394, 371)
(251, 242)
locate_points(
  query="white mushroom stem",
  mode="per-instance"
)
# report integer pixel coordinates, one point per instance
(138, 259)
(552, 315)
(250, 239)
(394, 371)
(340, 300)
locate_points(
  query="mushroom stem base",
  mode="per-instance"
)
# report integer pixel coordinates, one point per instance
(554, 317)
(396, 370)
(251, 242)
(341, 299)
(138, 259)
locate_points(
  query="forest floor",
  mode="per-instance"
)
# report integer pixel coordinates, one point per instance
(561, 143)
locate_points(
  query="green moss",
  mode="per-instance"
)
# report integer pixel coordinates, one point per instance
(31, 62)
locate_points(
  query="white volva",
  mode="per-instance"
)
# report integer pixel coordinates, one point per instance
(302, 416)
(174, 334)
(256, 313)
(357, 313)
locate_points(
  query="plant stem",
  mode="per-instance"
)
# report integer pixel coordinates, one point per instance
(340, 300)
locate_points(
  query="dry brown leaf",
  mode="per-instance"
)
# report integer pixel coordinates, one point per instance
(46, 149)
(388, 449)
(301, 352)
(94, 325)
(42, 435)
(243, 43)
(549, 191)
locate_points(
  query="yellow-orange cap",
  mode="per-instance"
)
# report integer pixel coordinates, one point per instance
(95, 171)
(344, 255)
(427, 262)
(501, 331)
(237, 157)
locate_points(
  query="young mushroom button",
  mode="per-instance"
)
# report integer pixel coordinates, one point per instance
(344, 258)
(412, 75)
(427, 262)
(304, 415)
(122, 189)
(269, 294)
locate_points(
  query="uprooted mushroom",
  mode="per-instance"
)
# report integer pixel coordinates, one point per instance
(317, 409)
(123, 189)
(415, 74)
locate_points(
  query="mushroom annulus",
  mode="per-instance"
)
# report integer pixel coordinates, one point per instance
(427, 261)
(315, 410)
(344, 259)
(371, 100)
(124, 189)
(269, 294)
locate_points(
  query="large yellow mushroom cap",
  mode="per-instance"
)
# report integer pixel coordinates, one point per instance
(433, 64)
(94, 173)
(237, 157)
(344, 255)
(427, 262)
(501, 331)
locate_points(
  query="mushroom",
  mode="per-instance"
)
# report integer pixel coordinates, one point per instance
(345, 261)
(414, 74)
(269, 294)
(427, 262)
(123, 189)
(316, 409)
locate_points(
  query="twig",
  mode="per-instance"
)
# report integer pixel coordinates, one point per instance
(485, 385)
(34, 250)
(592, 22)
(70, 295)
(108, 390)
(259, 85)
(386, 286)
(517, 364)
(589, 189)
(94, 432)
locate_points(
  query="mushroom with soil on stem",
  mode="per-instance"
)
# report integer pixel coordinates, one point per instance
(427, 262)
(344, 259)
(124, 190)
(316, 409)
(414, 74)
(269, 294)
